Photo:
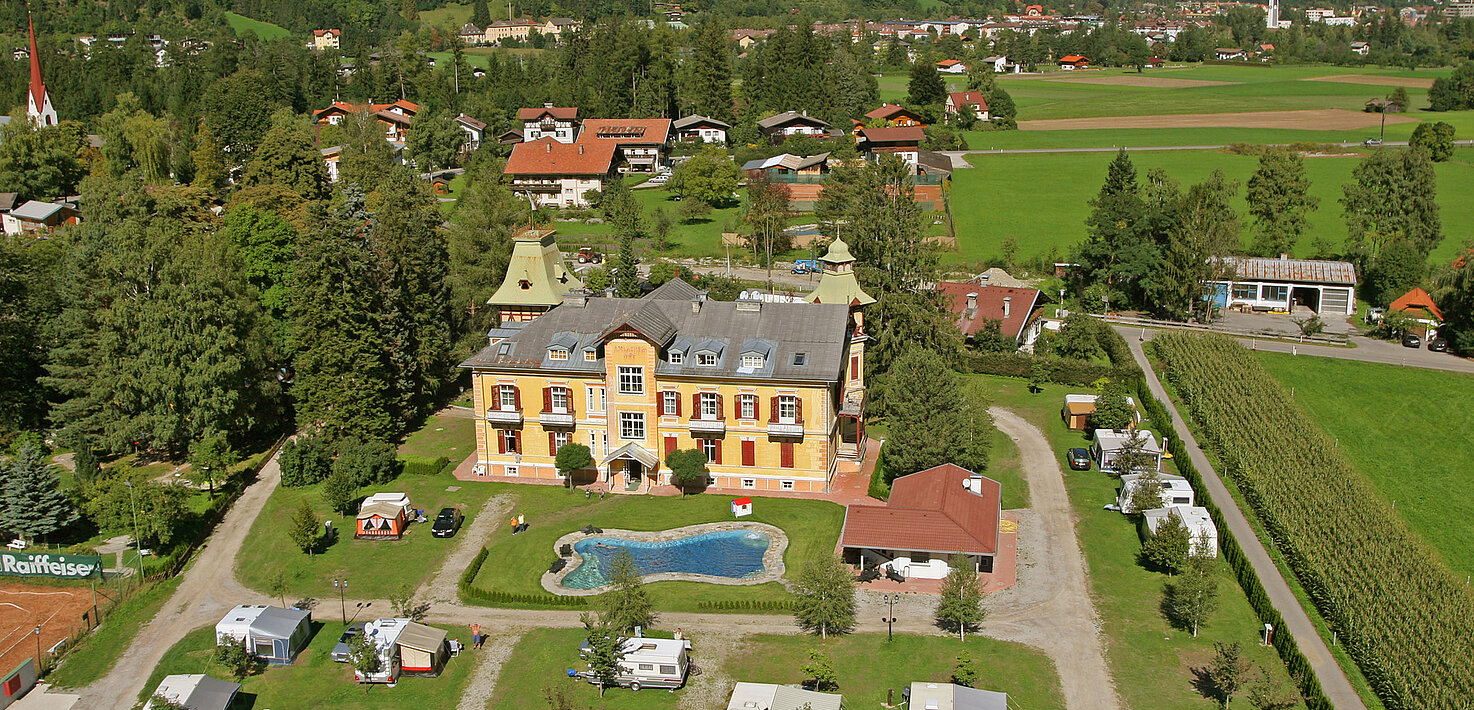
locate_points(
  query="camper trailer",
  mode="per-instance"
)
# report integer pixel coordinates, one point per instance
(651, 663)
(1109, 442)
(1175, 491)
(385, 635)
(272, 634)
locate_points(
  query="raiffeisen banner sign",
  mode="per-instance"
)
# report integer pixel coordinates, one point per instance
(30, 564)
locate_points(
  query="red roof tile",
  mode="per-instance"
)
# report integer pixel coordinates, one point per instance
(1417, 299)
(549, 157)
(888, 110)
(898, 134)
(963, 98)
(626, 130)
(532, 114)
(1073, 59)
(929, 511)
(989, 306)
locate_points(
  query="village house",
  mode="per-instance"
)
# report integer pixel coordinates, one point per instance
(1071, 62)
(903, 143)
(559, 174)
(475, 131)
(395, 118)
(788, 164)
(971, 99)
(332, 156)
(1419, 306)
(701, 129)
(641, 143)
(471, 35)
(1001, 65)
(1015, 310)
(771, 392)
(559, 124)
(1279, 285)
(327, 39)
(929, 516)
(951, 66)
(519, 29)
(894, 115)
(36, 218)
(791, 123)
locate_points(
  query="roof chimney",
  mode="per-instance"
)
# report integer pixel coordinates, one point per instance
(580, 149)
(1007, 301)
(1284, 256)
(548, 104)
(549, 146)
(972, 306)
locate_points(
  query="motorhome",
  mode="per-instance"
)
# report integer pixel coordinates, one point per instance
(384, 633)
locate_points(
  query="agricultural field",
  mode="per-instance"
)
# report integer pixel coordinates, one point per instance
(1381, 417)
(988, 199)
(263, 30)
(1152, 662)
(1397, 609)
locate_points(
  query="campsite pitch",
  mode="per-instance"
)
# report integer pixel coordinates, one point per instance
(1316, 119)
(23, 607)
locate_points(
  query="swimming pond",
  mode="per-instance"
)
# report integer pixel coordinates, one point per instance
(735, 554)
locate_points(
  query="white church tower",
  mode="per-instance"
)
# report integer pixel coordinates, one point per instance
(38, 103)
(1272, 18)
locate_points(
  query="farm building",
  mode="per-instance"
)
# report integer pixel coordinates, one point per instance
(1078, 408)
(1419, 306)
(270, 633)
(195, 691)
(1109, 442)
(383, 516)
(767, 696)
(1176, 491)
(929, 516)
(1194, 518)
(1280, 285)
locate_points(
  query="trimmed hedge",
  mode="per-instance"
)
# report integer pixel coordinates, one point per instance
(421, 465)
(880, 488)
(471, 593)
(784, 605)
(1060, 371)
(1284, 642)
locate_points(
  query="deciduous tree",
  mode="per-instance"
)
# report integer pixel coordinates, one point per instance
(825, 597)
(687, 469)
(627, 604)
(1395, 192)
(960, 606)
(605, 651)
(1228, 672)
(818, 671)
(571, 459)
(302, 528)
(340, 492)
(288, 156)
(925, 87)
(709, 176)
(1435, 138)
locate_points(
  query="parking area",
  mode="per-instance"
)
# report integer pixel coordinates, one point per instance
(1286, 324)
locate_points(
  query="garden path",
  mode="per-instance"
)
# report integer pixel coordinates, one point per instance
(441, 587)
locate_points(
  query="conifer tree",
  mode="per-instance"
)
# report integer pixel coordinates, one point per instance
(34, 505)
(209, 162)
(628, 604)
(935, 418)
(480, 14)
(479, 243)
(925, 87)
(1117, 250)
(708, 73)
(288, 156)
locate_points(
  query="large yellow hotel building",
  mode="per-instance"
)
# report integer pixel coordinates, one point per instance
(771, 390)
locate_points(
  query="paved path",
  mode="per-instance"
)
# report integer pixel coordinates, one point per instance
(1332, 680)
(1366, 350)
(207, 590)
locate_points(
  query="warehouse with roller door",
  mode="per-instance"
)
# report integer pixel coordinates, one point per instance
(1283, 284)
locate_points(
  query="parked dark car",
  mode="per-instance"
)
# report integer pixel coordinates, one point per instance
(1411, 341)
(340, 651)
(1438, 345)
(1079, 459)
(447, 522)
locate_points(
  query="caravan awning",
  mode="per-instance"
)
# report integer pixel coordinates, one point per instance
(635, 452)
(386, 510)
(422, 638)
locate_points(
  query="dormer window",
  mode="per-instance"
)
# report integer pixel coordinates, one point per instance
(706, 359)
(590, 356)
(752, 361)
(557, 354)
(800, 358)
(676, 357)
(524, 284)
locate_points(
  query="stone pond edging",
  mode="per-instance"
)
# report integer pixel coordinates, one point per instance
(772, 558)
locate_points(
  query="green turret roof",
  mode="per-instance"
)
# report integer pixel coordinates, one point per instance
(838, 284)
(839, 253)
(536, 275)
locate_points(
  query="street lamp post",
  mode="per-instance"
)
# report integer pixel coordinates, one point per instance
(38, 649)
(137, 544)
(890, 599)
(342, 586)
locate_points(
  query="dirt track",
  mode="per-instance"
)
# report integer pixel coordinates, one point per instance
(1151, 82)
(1370, 80)
(1316, 120)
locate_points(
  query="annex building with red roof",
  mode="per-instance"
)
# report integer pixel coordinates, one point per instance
(558, 174)
(930, 516)
(1419, 306)
(974, 307)
(641, 142)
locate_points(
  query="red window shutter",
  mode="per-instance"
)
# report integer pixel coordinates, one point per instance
(517, 397)
(721, 414)
(517, 441)
(854, 367)
(773, 417)
(677, 398)
(749, 453)
(552, 444)
(718, 457)
(501, 440)
(670, 446)
(695, 405)
(798, 409)
(786, 454)
(547, 399)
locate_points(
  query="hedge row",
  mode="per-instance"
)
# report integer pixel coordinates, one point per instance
(420, 465)
(472, 593)
(1062, 371)
(745, 605)
(1284, 642)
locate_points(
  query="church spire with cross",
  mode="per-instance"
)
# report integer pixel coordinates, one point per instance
(38, 103)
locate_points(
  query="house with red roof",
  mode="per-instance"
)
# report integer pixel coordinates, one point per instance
(395, 118)
(896, 115)
(971, 99)
(1071, 62)
(642, 143)
(559, 123)
(951, 66)
(558, 174)
(930, 516)
(902, 142)
(974, 307)
(327, 39)
(1419, 306)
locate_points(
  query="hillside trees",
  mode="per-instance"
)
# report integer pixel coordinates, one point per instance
(479, 243)
(40, 164)
(706, 88)
(238, 109)
(288, 156)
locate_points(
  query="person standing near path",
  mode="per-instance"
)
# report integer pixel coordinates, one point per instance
(476, 635)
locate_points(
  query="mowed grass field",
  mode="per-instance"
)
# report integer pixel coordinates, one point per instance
(1406, 430)
(1043, 199)
(264, 30)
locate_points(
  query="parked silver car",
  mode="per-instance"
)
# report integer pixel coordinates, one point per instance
(340, 651)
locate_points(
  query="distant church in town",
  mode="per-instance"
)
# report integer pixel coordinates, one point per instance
(39, 110)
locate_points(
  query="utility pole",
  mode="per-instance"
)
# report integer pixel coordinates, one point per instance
(137, 544)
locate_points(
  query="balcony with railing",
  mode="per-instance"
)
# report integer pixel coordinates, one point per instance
(556, 418)
(707, 425)
(504, 416)
(788, 428)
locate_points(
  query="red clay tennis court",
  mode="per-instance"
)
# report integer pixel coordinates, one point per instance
(23, 607)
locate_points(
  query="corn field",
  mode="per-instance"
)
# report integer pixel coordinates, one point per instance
(1402, 615)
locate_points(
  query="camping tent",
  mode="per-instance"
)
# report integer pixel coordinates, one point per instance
(270, 633)
(383, 516)
(422, 650)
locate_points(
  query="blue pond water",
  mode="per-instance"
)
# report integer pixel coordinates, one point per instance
(729, 553)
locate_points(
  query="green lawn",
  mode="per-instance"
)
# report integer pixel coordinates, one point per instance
(993, 200)
(264, 30)
(1152, 662)
(452, 435)
(868, 665)
(701, 238)
(314, 680)
(1004, 467)
(541, 661)
(374, 568)
(1388, 418)
(516, 562)
(95, 654)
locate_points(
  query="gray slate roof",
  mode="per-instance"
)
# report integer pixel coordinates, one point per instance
(674, 290)
(697, 120)
(35, 210)
(725, 328)
(788, 117)
(7, 201)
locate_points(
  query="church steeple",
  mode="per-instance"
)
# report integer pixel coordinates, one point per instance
(38, 103)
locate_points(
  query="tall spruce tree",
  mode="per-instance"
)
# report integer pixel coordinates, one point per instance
(34, 505)
(935, 418)
(480, 14)
(707, 81)
(479, 243)
(288, 156)
(1279, 201)
(1117, 250)
(344, 382)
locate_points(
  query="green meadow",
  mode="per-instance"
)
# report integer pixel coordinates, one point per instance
(264, 30)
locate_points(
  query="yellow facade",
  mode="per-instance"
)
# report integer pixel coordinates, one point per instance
(784, 438)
